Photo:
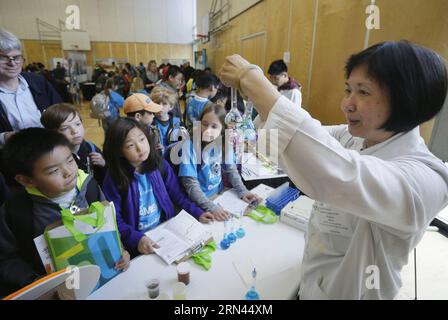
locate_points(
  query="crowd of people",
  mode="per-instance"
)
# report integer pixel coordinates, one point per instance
(375, 175)
(48, 165)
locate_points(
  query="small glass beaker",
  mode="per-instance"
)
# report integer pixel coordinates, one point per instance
(153, 288)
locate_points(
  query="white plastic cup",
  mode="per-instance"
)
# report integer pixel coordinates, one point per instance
(179, 291)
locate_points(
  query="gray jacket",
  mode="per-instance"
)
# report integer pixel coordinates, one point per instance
(195, 193)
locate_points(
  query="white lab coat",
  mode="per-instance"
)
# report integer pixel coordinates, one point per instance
(385, 195)
(295, 95)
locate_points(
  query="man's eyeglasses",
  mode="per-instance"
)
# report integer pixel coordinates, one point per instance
(16, 59)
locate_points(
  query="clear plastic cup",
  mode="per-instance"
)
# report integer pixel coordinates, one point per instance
(153, 288)
(179, 291)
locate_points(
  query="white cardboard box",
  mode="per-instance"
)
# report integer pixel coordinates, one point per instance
(297, 213)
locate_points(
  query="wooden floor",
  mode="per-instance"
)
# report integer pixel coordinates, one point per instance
(93, 130)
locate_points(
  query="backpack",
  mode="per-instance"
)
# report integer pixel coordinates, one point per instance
(167, 157)
(173, 133)
(99, 106)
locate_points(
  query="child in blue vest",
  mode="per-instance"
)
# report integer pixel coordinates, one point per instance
(142, 186)
(207, 86)
(166, 125)
(203, 179)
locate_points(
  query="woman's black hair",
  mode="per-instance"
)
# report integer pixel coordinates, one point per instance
(414, 77)
(118, 165)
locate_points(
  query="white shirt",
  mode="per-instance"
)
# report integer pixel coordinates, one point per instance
(66, 200)
(384, 197)
(20, 108)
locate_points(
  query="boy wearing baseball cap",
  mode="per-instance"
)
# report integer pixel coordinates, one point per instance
(140, 107)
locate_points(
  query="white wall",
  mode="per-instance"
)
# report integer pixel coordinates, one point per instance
(161, 21)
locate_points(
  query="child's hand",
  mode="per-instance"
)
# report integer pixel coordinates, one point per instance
(8, 135)
(146, 245)
(206, 217)
(123, 263)
(221, 214)
(251, 197)
(160, 147)
(97, 159)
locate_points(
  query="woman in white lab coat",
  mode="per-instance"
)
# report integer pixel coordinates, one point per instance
(377, 187)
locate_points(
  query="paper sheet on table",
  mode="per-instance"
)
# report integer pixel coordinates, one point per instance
(231, 203)
(245, 265)
(260, 170)
(262, 190)
(253, 168)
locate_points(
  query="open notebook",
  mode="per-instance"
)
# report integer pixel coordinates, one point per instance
(179, 237)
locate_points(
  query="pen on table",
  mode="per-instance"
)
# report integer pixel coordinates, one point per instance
(249, 172)
(232, 213)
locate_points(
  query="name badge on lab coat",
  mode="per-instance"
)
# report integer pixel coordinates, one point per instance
(333, 221)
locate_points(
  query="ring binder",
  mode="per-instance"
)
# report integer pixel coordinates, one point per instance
(180, 238)
(195, 249)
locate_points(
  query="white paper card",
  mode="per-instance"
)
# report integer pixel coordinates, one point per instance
(231, 203)
(333, 221)
(44, 254)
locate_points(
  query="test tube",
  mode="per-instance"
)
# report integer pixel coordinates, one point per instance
(233, 97)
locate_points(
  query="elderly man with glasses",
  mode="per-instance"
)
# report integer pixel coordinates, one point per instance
(23, 96)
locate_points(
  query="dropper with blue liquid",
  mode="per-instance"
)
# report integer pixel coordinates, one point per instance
(252, 294)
